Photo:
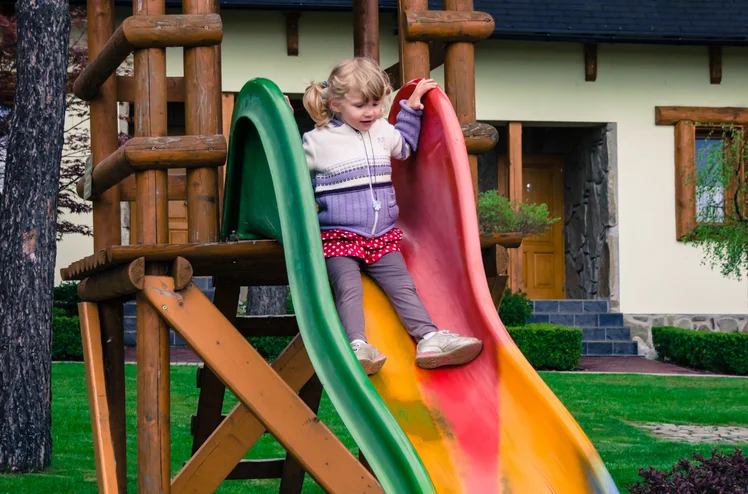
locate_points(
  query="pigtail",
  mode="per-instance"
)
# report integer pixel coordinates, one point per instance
(316, 103)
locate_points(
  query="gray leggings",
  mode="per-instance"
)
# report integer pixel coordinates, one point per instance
(393, 278)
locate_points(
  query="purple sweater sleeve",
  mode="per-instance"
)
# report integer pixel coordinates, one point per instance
(409, 124)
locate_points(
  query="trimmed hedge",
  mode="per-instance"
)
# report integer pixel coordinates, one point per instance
(270, 346)
(725, 353)
(66, 338)
(549, 346)
(515, 309)
(66, 333)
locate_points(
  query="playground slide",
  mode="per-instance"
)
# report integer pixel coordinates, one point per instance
(491, 426)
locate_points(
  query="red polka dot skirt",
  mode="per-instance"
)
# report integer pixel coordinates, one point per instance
(337, 243)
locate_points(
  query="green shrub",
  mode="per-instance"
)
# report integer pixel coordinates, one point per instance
(549, 346)
(717, 352)
(66, 339)
(515, 309)
(496, 214)
(270, 346)
(65, 297)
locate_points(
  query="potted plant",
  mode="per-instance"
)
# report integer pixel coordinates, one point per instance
(506, 222)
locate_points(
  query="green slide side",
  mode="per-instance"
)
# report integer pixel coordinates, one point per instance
(269, 194)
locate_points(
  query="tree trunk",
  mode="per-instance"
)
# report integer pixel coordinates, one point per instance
(266, 300)
(27, 234)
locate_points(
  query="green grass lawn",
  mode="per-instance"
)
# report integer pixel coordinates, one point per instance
(604, 405)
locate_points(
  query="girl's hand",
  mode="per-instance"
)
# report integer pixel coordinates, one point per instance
(289, 102)
(423, 87)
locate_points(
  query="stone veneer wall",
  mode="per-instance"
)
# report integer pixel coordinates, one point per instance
(590, 223)
(641, 325)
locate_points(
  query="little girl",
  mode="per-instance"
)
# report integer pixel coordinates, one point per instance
(348, 154)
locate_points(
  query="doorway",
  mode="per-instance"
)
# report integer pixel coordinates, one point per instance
(543, 255)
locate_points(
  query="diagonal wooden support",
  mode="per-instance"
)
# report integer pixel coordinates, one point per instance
(106, 466)
(236, 434)
(259, 387)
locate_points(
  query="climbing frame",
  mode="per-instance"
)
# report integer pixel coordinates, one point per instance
(159, 276)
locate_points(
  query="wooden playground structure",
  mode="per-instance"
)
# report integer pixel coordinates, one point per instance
(159, 275)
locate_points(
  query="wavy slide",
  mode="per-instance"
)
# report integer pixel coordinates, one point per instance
(491, 426)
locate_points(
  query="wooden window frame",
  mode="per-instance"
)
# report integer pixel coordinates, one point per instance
(684, 118)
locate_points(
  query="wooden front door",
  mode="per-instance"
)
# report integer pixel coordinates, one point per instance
(543, 255)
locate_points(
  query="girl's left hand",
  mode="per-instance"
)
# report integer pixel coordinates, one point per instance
(423, 87)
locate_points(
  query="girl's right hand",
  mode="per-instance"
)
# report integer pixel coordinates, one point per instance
(289, 102)
(423, 87)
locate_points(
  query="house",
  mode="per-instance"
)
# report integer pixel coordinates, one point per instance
(573, 87)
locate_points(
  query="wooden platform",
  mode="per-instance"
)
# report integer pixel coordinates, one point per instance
(260, 262)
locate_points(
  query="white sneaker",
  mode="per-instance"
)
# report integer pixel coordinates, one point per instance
(447, 348)
(369, 357)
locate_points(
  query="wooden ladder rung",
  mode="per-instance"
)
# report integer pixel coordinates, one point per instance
(146, 31)
(451, 26)
(156, 153)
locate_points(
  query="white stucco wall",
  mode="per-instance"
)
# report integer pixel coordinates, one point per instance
(544, 82)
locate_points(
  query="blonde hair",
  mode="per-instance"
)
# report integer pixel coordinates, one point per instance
(360, 73)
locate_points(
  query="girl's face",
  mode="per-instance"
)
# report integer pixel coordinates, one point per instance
(356, 111)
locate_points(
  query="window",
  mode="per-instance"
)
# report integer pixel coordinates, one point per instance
(710, 190)
(710, 175)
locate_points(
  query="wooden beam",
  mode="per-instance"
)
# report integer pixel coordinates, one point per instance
(232, 358)
(181, 271)
(516, 192)
(479, 137)
(268, 252)
(685, 178)
(414, 55)
(161, 31)
(436, 59)
(126, 89)
(146, 31)
(153, 397)
(216, 457)
(459, 80)
(98, 403)
(590, 62)
(118, 282)
(448, 26)
(366, 29)
(292, 33)
(156, 153)
(715, 64)
(107, 231)
(202, 117)
(670, 115)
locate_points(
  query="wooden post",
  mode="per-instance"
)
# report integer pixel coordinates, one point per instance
(202, 117)
(107, 232)
(515, 194)
(414, 55)
(459, 81)
(104, 448)
(154, 454)
(366, 29)
(685, 178)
